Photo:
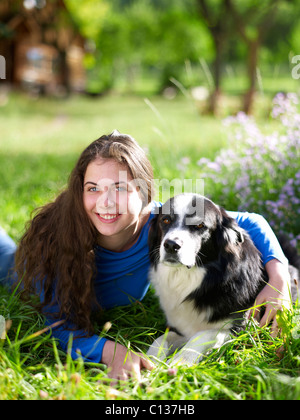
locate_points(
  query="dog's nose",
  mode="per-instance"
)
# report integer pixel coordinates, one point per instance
(171, 247)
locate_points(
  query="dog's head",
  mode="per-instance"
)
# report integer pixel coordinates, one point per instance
(191, 230)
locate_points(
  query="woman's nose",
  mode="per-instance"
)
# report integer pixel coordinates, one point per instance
(105, 200)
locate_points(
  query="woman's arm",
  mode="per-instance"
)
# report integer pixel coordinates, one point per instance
(7, 257)
(90, 348)
(121, 362)
(262, 235)
(276, 293)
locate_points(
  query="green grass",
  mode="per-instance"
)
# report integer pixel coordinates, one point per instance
(40, 142)
(249, 367)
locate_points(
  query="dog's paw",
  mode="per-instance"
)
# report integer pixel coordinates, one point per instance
(163, 346)
(185, 357)
(159, 349)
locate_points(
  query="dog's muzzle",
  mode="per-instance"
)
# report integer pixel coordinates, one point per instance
(171, 253)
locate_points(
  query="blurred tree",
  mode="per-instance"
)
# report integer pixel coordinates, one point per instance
(215, 14)
(130, 35)
(134, 34)
(89, 15)
(160, 35)
(252, 20)
(283, 37)
(257, 23)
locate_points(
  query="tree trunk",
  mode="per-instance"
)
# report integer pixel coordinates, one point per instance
(218, 27)
(217, 75)
(252, 69)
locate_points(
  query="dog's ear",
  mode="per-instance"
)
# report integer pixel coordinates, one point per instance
(154, 239)
(229, 235)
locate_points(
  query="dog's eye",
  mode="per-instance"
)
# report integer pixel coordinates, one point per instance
(200, 226)
(166, 221)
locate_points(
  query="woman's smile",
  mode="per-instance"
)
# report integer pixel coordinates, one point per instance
(108, 218)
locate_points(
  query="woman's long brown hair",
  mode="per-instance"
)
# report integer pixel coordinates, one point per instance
(55, 256)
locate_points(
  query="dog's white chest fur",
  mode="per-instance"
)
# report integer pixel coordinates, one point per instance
(173, 285)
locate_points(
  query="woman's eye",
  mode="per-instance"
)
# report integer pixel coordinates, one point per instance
(93, 189)
(121, 189)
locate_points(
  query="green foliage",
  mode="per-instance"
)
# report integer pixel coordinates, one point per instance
(138, 36)
(89, 15)
(252, 366)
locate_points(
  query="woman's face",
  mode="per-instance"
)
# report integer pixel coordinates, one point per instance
(110, 198)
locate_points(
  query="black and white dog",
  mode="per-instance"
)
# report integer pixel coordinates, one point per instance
(206, 272)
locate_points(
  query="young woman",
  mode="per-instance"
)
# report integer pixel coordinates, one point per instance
(88, 250)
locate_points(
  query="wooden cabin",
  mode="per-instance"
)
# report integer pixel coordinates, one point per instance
(42, 47)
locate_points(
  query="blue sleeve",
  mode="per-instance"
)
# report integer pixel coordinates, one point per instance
(262, 235)
(88, 347)
(7, 258)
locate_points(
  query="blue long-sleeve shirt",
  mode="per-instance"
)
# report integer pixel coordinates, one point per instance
(7, 257)
(122, 278)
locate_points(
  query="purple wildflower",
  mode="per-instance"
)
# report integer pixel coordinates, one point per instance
(259, 172)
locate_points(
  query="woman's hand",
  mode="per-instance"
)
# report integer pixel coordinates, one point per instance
(122, 363)
(275, 295)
